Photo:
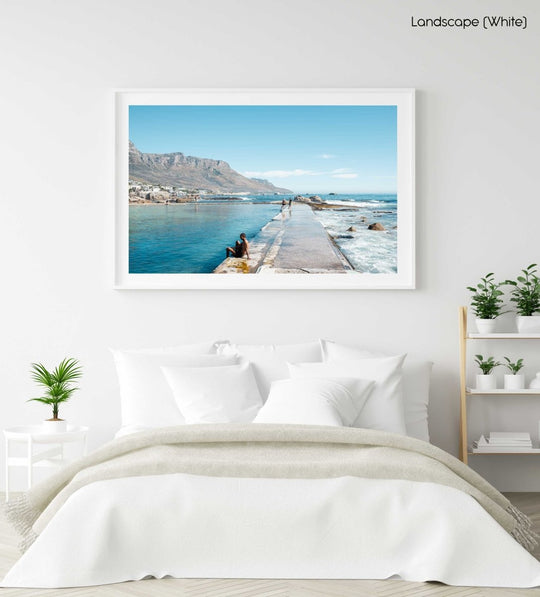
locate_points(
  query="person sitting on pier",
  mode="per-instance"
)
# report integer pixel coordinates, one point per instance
(241, 248)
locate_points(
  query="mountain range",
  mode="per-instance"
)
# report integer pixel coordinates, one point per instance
(189, 172)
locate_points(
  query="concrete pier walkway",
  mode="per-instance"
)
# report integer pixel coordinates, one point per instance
(293, 242)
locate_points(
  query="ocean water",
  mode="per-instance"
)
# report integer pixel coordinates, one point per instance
(370, 251)
(191, 237)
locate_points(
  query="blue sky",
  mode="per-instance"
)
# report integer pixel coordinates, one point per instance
(308, 149)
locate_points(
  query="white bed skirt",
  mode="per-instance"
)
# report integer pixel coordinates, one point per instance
(189, 526)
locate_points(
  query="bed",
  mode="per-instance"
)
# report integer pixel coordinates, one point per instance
(298, 461)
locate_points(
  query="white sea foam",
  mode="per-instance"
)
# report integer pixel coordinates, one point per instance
(370, 251)
(356, 203)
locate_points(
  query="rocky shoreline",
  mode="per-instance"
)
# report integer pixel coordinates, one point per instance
(162, 199)
(317, 204)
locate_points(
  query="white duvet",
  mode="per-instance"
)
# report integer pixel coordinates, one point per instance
(185, 526)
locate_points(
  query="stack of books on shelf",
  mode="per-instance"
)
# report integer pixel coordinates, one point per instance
(503, 441)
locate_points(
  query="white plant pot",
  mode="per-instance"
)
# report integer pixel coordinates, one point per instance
(514, 382)
(528, 324)
(50, 426)
(535, 382)
(486, 382)
(486, 326)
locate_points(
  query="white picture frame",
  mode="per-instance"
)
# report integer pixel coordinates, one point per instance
(402, 99)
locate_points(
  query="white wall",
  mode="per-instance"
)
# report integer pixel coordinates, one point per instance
(478, 208)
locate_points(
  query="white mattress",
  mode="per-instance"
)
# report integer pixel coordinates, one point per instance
(195, 526)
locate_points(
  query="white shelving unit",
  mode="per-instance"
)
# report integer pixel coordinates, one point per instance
(473, 391)
(466, 393)
(42, 449)
(508, 451)
(506, 336)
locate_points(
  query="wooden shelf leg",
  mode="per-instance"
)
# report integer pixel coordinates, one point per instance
(463, 384)
(7, 470)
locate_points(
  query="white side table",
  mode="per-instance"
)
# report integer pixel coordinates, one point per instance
(32, 436)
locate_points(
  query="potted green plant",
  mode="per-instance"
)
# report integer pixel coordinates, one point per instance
(525, 295)
(486, 303)
(514, 380)
(486, 380)
(58, 388)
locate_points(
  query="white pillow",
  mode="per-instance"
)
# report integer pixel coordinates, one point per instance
(416, 382)
(269, 361)
(224, 395)
(146, 399)
(383, 409)
(315, 401)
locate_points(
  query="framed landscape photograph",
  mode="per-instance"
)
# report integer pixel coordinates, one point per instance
(265, 188)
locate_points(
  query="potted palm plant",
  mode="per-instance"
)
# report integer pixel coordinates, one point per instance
(514, 380)
(58, 388)
(526, 296)
(486, 303)
(486, 380)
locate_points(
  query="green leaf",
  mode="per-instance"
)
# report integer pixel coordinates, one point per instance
(68, 370)
(40, 375)
(43, 400)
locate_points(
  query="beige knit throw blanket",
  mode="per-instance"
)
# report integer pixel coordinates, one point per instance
(271, 451)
